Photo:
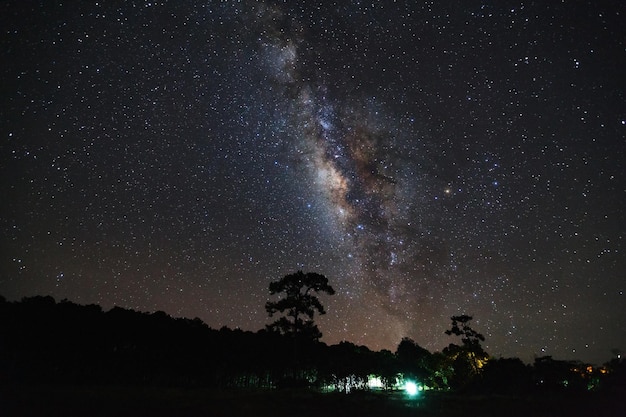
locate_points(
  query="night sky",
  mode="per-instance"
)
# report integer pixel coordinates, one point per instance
(429, 158)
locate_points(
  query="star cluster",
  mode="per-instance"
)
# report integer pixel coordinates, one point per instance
(429, 158)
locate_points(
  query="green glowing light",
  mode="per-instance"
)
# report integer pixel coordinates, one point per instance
(411, 388)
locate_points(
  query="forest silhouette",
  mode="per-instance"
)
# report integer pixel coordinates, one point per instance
(44, 342)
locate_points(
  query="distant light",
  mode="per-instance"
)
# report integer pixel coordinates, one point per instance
(374, 382)
(411, 388)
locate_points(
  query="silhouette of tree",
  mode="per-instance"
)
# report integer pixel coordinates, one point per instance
(414, 360)
(299, 304)
(615, 373)
(43, 342)
(347, 366)
(507, 376)
(386, 366)
(468, 359)
(298, 307)
(560, 375)
(469, 337)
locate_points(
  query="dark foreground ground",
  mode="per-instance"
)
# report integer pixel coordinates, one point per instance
(160, 402)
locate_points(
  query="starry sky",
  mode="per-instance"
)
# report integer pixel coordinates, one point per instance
(430, 158)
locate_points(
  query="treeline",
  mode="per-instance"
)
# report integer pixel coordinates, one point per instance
(45, 342)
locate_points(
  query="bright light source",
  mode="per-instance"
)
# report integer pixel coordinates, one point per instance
(374, 382)
(411, 388)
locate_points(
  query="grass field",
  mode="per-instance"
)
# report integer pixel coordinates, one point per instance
(160, 402)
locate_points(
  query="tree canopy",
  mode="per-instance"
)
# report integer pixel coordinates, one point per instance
(469, 337)
(299, 304)
(467, 359)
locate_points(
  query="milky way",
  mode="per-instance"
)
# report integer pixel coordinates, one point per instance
(355, 162)
(429, 159)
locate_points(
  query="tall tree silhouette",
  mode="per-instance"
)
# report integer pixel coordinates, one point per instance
(414, 360)
(299, 304)
(469, 358)
(469, 337)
